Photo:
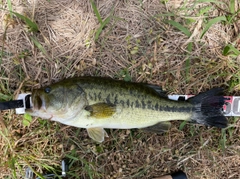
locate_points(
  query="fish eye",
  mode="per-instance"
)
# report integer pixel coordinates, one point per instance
(47, 90)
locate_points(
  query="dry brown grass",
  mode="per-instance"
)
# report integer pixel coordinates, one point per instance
(136, 42)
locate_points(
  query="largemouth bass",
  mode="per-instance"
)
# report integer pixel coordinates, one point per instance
(96, 103)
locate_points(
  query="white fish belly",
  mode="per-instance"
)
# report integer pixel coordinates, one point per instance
(126, 118)
(139, 118)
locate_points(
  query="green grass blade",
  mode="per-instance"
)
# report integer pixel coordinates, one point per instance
(230, 48)
(99, 30)
(180, 27)
(204, 10)
(103, 23)
(10, 7)
(72, 157)
(212, 22)
(4, 97)
(232, 6)
(95, 10)
(223, 141)
(226, 50)
(32, 25)
(39, 46)
(169, 14)
(11, 164)
(182, 125)
(209, 1)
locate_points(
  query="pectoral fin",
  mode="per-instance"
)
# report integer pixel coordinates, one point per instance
(97, 134)
(101, 110)
(158, 128)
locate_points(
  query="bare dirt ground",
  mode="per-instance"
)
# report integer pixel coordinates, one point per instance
(137, 43)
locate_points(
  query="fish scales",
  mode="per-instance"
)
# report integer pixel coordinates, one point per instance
(129, 95)
(96, 103)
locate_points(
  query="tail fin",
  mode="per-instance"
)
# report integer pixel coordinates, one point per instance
(208, 108)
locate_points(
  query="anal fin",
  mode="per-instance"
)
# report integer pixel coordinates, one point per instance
(158, 128)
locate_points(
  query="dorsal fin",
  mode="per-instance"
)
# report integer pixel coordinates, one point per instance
(158, 89)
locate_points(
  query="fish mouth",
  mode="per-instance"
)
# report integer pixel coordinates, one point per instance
(38, 102)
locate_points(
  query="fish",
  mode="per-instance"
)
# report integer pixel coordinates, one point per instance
(98, 103)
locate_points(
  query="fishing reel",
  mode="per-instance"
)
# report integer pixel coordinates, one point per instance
(29, 174)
